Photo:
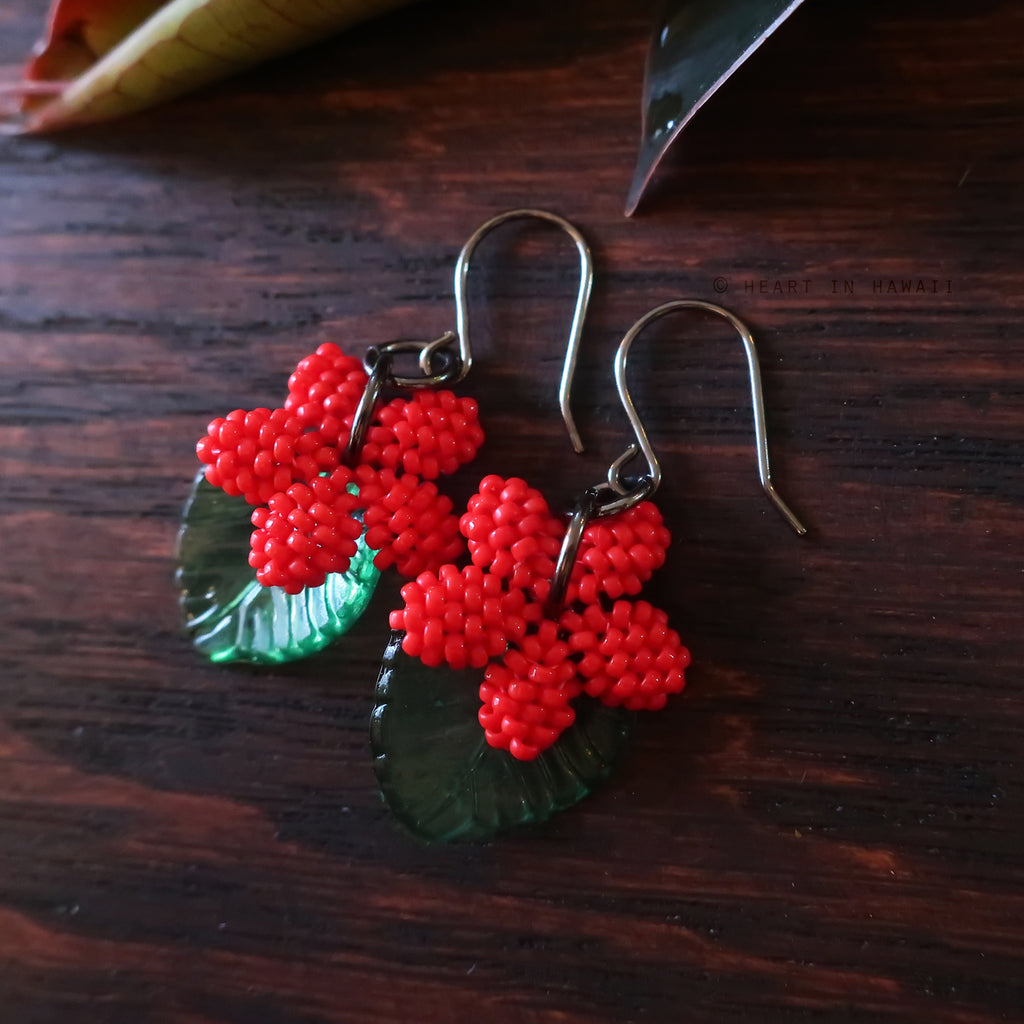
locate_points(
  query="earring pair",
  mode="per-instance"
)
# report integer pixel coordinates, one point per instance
(509, 685)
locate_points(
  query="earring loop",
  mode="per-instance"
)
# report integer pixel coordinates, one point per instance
(650, 481)
(578, 315)
(454, 346)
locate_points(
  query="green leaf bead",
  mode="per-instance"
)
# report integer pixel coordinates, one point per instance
(440, 776)
(232, 617)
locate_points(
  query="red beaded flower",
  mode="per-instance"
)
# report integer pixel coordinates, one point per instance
(617, 651)
(288, 462)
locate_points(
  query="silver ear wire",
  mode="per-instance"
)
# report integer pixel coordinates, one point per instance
(649, 482)
(452, 350)
(578, 315)
(593, 503)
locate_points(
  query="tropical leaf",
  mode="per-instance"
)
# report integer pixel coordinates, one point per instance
(441, 778)
(696, 46)
(105, 58)
(233, 618)
(79, 32)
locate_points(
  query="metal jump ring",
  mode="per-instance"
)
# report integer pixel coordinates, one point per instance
(380, 373)
(426, 352)
(587, 508)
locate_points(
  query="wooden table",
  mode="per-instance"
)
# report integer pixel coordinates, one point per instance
(828, 826)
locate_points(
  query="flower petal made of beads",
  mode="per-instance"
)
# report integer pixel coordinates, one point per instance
(617, 555)
(526, 703)
(305, 533)
(431, 434)
(512, 533)
(324, 391)
(261, 452)
(454, 617)
(408, 521)
(629, 656)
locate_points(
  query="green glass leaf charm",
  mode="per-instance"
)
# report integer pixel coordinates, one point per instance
(231, 616)
(442, 779)
(696, 46)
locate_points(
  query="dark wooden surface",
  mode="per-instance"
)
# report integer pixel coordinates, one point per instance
(829, 825)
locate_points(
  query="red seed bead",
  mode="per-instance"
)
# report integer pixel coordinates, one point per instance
(261, 452)
(324, 391)
(433, 433)
(306, 532)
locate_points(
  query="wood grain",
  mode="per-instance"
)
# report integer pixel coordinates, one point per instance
(829, 825)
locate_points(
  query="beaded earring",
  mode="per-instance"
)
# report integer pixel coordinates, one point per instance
(337, 485)
(508, 687)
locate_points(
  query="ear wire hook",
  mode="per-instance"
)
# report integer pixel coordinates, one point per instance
(649, 483)
(578, 315)
(454, 365)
